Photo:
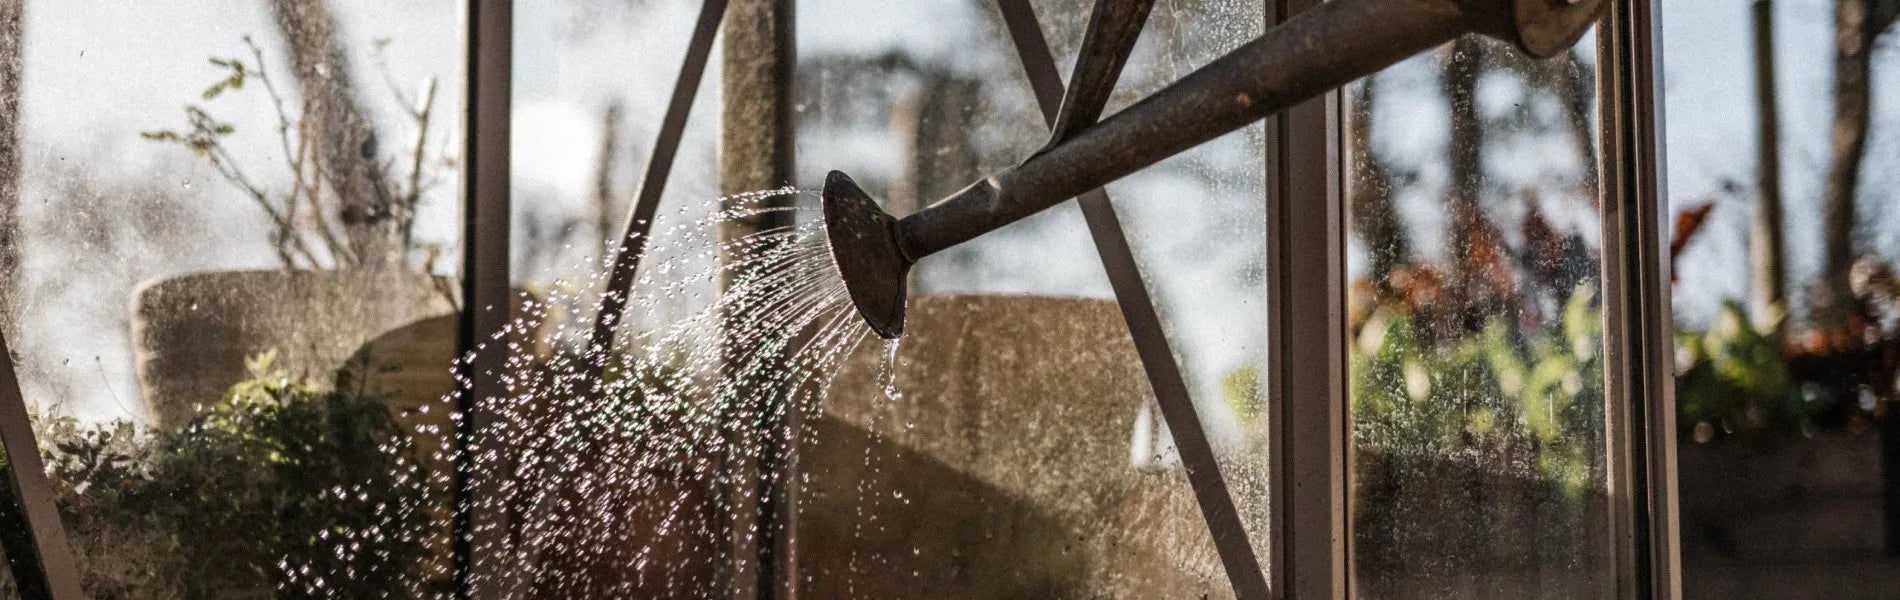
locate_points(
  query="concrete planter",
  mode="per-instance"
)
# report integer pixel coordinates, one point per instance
(1003, 472)
(191, 333)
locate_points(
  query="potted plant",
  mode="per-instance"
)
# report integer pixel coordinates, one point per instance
(343, 233)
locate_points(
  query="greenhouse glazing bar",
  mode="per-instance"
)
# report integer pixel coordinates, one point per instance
(1308, 439)
(481, 529)
(1131, 293)
(1639, 343)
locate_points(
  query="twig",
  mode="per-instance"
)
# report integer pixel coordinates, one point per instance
(425, 106)
(277, 101)
(226, 166)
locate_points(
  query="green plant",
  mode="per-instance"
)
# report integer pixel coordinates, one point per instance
(280, 488)
(1501, 396)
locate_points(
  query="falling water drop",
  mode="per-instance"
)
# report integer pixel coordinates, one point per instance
(887, 374)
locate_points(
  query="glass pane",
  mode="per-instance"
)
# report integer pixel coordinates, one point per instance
(239, 237)
(1197, 223)
(1785, 319)
(1475, 330)
(1024, 457)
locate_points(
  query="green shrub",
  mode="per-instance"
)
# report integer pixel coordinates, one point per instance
(280, 488)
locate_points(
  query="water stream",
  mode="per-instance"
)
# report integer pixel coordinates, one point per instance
(606, 480)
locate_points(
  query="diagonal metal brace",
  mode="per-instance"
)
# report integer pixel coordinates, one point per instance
(57, 569)
(633, 241)
(1097, 71)
(1114, 25)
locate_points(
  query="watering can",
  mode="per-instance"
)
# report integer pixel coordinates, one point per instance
(1320, 49)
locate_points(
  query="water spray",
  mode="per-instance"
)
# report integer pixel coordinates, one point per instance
(1319, 50)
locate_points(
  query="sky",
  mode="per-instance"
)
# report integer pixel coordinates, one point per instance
(98, 73)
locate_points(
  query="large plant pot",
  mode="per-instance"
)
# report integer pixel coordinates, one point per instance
(1003, 472)
(192, 333)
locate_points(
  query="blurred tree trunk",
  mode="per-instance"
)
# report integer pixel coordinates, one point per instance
(932, 125)
(344, 137)
(1370, 194)
(607, 214)
(1768, 293)
(1574, 83)
(12, 237)
(755, 153)
(1857, 25)
(1464, 145)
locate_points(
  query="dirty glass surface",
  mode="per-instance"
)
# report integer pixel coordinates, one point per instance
(1197, 225)
(1475, 328)
(236, 230)
(1025, 456)
(1785, 320)
(591, 84)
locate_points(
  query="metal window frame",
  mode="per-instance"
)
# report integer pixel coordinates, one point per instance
(1309, 407)
(1308, 437)
(1639, 353)
(35, 493)
(480, 542)
(1309, 420)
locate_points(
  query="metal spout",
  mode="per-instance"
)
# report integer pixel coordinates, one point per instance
(1321, 49)
(863, 241)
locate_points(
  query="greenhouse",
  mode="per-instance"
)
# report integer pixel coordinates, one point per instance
(858, 299)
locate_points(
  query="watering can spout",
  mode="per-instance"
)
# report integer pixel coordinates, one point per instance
(1319, 50)
(863, 240)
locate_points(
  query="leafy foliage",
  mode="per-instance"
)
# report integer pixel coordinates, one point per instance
(281, 487)
(1531, 400)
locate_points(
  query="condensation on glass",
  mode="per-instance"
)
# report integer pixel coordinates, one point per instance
(237, 230)
(1475, 331)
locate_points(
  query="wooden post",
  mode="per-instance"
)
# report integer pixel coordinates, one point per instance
(755, 153)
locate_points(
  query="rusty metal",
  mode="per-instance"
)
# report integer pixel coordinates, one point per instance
(1101, 58)
(1316, 51)
(480, 523)
(58, 573)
